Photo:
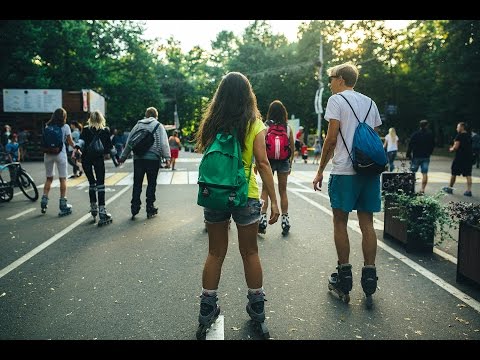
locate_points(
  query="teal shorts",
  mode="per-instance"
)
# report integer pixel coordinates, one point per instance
(355, 192)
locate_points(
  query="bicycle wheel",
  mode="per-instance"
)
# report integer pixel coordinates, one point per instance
(28, 187)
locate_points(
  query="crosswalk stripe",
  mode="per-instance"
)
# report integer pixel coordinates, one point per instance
(184, 177)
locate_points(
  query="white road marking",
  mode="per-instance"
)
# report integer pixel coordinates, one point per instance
(420, 269)
(20, 214)
(216, 331)
(54, 238)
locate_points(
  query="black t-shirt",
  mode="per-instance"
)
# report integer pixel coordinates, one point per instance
(464, 151)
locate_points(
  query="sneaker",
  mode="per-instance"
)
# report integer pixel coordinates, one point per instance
(467, 193)
(448, 189)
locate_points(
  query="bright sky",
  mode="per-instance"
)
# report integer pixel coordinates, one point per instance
(202, 32)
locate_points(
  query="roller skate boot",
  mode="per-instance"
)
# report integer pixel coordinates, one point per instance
(135, 210)
(104, 217)
(65, 208)
(44, 204)
(262, 225)
(151, 211)
(256, 310)
(94, 211)
(341, 282)
(285, 224)
(369, 283)
(209, 311)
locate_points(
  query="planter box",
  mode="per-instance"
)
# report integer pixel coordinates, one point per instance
(397, 229)
(468, 259)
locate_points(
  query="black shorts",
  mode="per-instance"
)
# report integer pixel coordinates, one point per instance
(462, 168)
(298, 145)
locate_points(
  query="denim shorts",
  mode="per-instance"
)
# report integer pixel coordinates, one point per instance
(247, 215)
(281, 166)
(422, 162)
(355, 192)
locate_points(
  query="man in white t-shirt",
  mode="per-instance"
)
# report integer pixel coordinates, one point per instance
(347, 190)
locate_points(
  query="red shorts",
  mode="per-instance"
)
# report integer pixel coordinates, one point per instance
(174, 153)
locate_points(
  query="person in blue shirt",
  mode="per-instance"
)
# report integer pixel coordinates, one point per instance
(12, 148)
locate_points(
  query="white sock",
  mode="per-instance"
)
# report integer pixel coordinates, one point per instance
(255, 291)
(209, 292)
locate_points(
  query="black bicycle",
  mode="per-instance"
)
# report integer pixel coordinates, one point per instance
(17, 176)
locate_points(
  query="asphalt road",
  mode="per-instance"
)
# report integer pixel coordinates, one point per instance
(66, 278)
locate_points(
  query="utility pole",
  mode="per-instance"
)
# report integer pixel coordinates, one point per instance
(318, 96)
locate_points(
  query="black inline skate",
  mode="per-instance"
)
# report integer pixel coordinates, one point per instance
(135, 209)
(369, 283)
(262, 225)
(209, 311)
(104, 218)
(151, 211)
(256, 309)
(94, 211)
(341, 282)
(285, 224)
(44, 204)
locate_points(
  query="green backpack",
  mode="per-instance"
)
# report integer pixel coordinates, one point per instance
(221, 176)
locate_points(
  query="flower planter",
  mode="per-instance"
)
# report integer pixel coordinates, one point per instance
(397, 229)
(468, 258)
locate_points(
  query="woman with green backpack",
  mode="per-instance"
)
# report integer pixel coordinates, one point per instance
(232, 124)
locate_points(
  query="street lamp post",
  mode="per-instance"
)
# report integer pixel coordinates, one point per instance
(318, 95)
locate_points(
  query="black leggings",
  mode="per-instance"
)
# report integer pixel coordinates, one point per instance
(140, 168)
(98, 184)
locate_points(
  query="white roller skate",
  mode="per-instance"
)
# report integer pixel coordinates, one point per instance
(285, 224)
(262, 225)
(65, 208)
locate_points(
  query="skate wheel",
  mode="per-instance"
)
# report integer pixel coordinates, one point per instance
(201, 332)
(369, 302)
(264, 331)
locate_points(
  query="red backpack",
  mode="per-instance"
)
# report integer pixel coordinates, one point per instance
(278, 142)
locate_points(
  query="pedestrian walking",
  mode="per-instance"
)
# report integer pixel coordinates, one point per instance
(55, 134)
(174, 142)
(280, 143)
(347, 190)
(462, 163)
(391, 147)
(420, 148)
(97, 143)
(148, 162)
(233, 112)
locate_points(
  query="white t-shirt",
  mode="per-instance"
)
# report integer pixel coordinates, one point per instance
(338, 109)
(391, 144)
(65, 131)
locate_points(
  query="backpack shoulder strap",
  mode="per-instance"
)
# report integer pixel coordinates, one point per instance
(352, 107)
(368, 112)
(156, 127)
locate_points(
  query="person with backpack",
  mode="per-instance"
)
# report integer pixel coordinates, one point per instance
(232, 125)
(149, 142)
(55, 134)
(348, 187)
(280, 143)
(97, 143)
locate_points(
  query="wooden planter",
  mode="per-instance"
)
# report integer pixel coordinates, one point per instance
(397, 229)
(468, 259)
